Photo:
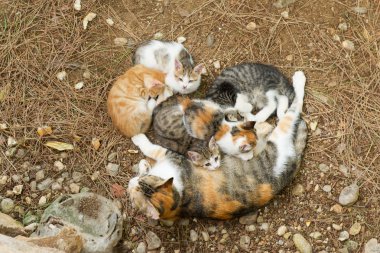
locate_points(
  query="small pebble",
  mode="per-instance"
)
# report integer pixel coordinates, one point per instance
(153, 241)
(18, 189)
(336, 37)
(343, 236)
(360, 10)
(42, 201)
(158, 36)
(315, 235)
(250, 228)
(245, 240)
(302, 244)
(11, 141)
(326, 188)
(206, 236)
(59, 166)
(74, 188)
(287, 235)
(216, 64)
(141, 248)
(348, 44)
(282, 230)
(355, 229)
(298, 190)
(40, 175)
(56, 186)
(212, 229)
(349, 195)
(285, 14)
(372, 246)
(351, 246)
(120, 41)
(289, 57)
(323, 167)
(248, 219)
(3, 180)
(86, 74)
(337, 227)
(44, 184)
(337, 208)
(77, 176)
(77, 5)
(210, 40)
(61, 75)
(7, 205)
(89, 17)
(193, 235)
(181, 39)
(343, 26)
(251, 26)
(79, 85)
(110, 21)
(112, 169)
(264, 226)
(95, 175)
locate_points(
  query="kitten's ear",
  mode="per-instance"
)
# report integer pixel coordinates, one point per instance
(178, 64)
(168, 184)
(248, 125)
(152, 212)
(199, 69)
(150, 82)
(212, 144)
(194, 156)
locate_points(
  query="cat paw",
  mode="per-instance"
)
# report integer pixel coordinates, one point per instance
(242, 104)
(250, 117)
(299, 81)
(139, 140)
(144, 167)
(263, 128)
(151, 104)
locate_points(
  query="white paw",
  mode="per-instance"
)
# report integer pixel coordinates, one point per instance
(151, 104)
(242, 104)
(250, 117)
(299, 81)
(144, 167)
(139, 140)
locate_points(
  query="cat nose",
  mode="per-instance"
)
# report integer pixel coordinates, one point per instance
(185, 87)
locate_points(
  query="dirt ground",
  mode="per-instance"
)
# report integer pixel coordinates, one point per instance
(39, 38)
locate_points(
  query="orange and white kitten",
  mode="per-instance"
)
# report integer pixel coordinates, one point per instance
(133, 97)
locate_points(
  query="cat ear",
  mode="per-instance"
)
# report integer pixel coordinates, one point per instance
(150, 82)
(168, 184)
(152, 212)
(194, 156)
(178, 64)
(212, 144)
(248, 125)
(199, 68)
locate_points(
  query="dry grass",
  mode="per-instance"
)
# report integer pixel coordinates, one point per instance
(39, 38)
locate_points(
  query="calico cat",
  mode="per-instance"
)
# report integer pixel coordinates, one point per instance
(131, 99)
(190, 124)
(250, 86)
(173, 59)
(174, 188)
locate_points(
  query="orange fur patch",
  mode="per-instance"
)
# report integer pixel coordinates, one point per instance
(164, 200)
(201, 122)
(264, 193)
(185, 102)
(285, 123)
(250, 136)
(223, 129)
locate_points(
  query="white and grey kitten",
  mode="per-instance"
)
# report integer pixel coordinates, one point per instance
(173, 59)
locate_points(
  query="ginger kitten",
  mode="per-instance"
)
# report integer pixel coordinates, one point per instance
(133, 97)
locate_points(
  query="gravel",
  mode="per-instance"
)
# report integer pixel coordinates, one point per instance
(349, 195)
(302, 244)
(153, 241)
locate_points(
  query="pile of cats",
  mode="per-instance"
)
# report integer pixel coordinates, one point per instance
(215, 157)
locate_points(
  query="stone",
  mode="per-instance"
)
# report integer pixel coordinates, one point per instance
(42, 201)
(260, 219)
(251, 26)
(360, 10)
(326, 188)
(248, 219)
(95, 175)
(7, 205)
(141, 248)
(184, 222)
(110, 21)
(74, 188)
(287, 235)
(77, 176)
(61, 75)
(79, 85)
(56, 186)
(10, 227)
(166, 223)
(323, 167)
(112, 157)
(11, 141)
(344, 170)
(282, 230)
(158, 36)
(349, 45)
(315, 235)
(210, 40)
(152, 240)
(112, 169)
(302, 244)
(351, 246)
(264, 226)
(343, 26)
(355, 228)
(13, 245)
(92, 217)
(206, 236)
(17, 190)
(337, 227)
(289, 57)
(193, 235)
(337, 208)
(120, 41)
(245, 240)
(285, 14)
(59, 166)
(349, 195)
(343, 236)
(45, 184)
(372, 246)
(298, 190)
(283, 3)
(3, 180)
(250, 228)
(212, 229)
(216, 64)
(40, 175)
(181, 39)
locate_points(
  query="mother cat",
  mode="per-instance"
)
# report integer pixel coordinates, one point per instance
(174, 188)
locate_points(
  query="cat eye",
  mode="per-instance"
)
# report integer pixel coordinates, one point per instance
(207, 164)
(190, 81)
(180, 79)
(216, 159)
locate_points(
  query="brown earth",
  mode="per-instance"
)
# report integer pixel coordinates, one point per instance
(39, 38)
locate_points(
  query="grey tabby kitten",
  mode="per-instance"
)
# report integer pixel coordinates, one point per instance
(250, 86)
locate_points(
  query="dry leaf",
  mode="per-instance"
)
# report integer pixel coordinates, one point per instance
(132, 151)
(77, 138)
(322, 98)
(95, 143)
(117, 190)
(44, 130)
(61, 146)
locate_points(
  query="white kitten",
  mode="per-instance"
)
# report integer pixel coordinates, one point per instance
(173, 59)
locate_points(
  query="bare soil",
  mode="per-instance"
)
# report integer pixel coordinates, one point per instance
(40, 38)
